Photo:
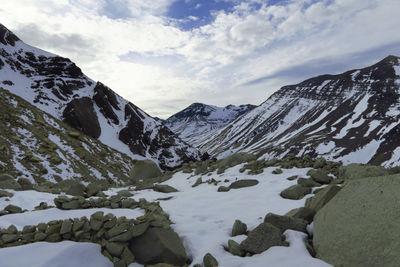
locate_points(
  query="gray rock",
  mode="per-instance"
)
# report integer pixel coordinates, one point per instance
(71, 205)
(144, 169)
(66, 227)
(39, 236)
(25, 184)
(29, 229)
(243, 183)
(9, 238)
(291, 178)
(286, 222)
(234, 248)
(127, 256)
(163, 188)
(360, 171)
(139, 229)
(239, 228)
(198, 182)
(322, 197)
(295, 192)
(302, 213)
(93, 189)
(277, 171)
(124, 193)
(361, 224)
(158, 245)
(76, 189)
(13, 209)
(8, 182)
(117, 230)
(319, 176)
(307, 182)
(262, 238)
(223, 189)
(115, 249)
(209, 261)
(4, 193)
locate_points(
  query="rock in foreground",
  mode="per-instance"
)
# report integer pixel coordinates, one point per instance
(359, 226)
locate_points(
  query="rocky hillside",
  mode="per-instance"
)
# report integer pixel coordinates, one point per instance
(196, 123)
(352, 117)
(36, 146)
(57, 86)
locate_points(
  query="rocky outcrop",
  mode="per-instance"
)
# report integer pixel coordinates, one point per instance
(80, 114)
(360, 224)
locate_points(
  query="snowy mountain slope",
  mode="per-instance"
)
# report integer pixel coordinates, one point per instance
(196, 123)
(352, 117)
(57, 86)
(41, 148)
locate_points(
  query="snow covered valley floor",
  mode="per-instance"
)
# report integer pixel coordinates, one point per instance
(202, 217)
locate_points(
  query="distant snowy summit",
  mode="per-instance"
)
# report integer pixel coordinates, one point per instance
(351, 117)
(196, 123)
(57, 86)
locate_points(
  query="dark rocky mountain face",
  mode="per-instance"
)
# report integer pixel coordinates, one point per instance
(57, 86)
(196, 123)
(352, 117)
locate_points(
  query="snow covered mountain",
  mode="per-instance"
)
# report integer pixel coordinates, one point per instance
(57, 86)
(196, 123)
(352, 117)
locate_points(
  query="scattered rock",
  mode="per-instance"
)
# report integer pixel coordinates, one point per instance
(319, 176)
(92, 189)
(295, 192)
(124, 193)
(209, 261)
(307, 182)
(158, 245)
(13, 209)
(239, 228)
(291, 178)
(262, 238)
(163, 188)
(316, 202)
(286, 222)
(76, 189)
(277, 171)
(302, 213)
(25, 184)
(8, 182)
(234, 248)
(4, 193)
(198, 182)
(223, 189)
(243, 183)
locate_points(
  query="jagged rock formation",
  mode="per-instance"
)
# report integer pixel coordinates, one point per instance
(351, 117)
(36, 146)
(57, 86)
(196, 123)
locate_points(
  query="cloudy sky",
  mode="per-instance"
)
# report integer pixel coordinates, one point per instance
(164, 55)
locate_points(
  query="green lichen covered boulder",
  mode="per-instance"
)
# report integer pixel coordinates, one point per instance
(144, 169)
(360, 225)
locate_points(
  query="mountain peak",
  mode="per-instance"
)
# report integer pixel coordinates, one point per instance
(7, 37)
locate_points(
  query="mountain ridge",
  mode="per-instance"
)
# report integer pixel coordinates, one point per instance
(197, 122)
(59, 87)
(324, 116)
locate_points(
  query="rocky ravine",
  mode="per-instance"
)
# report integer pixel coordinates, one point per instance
(352, 117)
(198, 122)
(57, 86)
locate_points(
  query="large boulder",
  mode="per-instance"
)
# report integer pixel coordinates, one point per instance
(262, 238)
(239, 228)
(359, 226)
(323, 196)
(163, 188)
(286, 222)
(243, 183)
(8, 182)
(295, 192)
(358, 171)
(144, 169)
(158, 245)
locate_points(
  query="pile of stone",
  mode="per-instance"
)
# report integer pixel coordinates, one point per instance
(148, 239)
(113, 202)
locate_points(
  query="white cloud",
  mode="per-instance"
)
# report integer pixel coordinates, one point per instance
(215, 63)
